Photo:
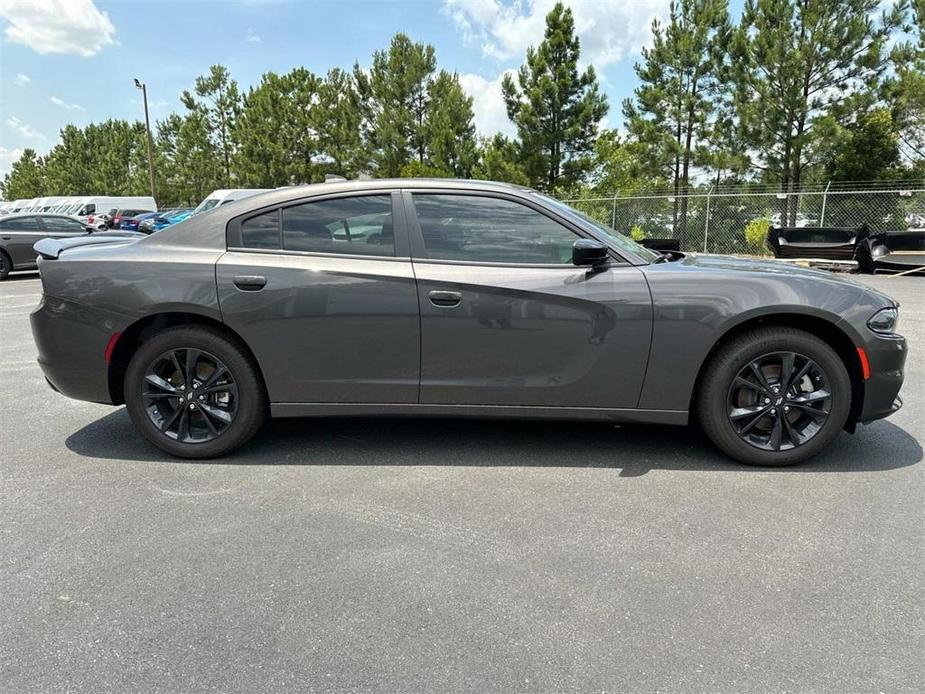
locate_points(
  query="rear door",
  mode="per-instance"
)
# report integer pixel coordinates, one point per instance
(506, 319)
(323, 291)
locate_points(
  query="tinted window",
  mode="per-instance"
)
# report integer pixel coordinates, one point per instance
(482, 229)
(358, 226)
(63, 224)
(21, 224)
(261, 231)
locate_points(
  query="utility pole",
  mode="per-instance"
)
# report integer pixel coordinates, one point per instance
(144, 94)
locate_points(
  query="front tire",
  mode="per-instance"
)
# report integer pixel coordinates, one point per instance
(774, 396)
(194, 393)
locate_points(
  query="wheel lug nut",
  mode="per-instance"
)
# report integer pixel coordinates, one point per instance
(767, 400)
(192, 406)
(773, 411)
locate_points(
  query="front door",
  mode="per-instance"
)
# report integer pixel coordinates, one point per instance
(324, 294)
(506, 319)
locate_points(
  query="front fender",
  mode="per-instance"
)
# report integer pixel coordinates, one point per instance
(696, 302)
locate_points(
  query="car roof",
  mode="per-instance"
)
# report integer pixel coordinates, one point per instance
(44, 215)
(207, 229)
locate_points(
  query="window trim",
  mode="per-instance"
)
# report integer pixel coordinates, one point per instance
(234, 242)
(419, 251)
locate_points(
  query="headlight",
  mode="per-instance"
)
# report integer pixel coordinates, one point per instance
(884, 321)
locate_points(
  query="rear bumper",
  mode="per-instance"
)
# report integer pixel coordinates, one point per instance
(71, 341)
(887, 358)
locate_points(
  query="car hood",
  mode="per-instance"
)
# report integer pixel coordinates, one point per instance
(737, 270)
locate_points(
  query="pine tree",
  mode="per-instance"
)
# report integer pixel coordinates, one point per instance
(26, 178)
(796, 62)
(498, 161)
(394, 96)
(448, 129)
(556, 110)
(337, 120)
(220, 102)
(674, 104)
(415, 122)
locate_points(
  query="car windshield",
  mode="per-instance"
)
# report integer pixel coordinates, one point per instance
(206, 204)
(621, 241)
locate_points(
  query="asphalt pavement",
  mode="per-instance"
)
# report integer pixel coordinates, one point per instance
(441, 556)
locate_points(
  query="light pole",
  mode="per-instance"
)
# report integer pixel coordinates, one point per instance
(144, 95)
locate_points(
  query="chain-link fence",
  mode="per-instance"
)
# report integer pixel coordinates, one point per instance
(735, 219)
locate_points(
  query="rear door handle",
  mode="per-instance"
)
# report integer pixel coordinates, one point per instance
(250, 283)
(445, 299)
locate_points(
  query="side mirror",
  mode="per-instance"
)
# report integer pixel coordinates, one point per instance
(588, 252)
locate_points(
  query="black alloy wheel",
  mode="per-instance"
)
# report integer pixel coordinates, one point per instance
(779, 401)
(774, 395)
(189, 395)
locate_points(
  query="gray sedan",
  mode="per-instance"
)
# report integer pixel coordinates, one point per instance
(454, 298)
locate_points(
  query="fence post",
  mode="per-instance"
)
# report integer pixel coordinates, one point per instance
(706, 226)
(613, 214)
(825, 197)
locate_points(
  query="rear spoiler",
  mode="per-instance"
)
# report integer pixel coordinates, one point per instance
(51, 249)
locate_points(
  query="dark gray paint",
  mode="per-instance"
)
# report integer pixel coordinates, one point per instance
(341, 333)
(18, 243)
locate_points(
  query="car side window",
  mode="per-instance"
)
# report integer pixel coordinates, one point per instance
(261, 231)
(359, 225)
(486, 229)
(22, 224)
(62, 224)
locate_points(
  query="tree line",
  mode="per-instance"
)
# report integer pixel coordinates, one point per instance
(794, 92)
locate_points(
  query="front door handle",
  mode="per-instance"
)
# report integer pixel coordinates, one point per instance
(250, 283)
(445, 299)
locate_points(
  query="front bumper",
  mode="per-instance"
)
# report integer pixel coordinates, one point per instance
(71, 341)
(887, 358)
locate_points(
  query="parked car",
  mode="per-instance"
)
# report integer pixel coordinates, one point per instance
(20, 232)
(121, 214)
(131, 223)
(470, 298)
(225, 196)
(162, 221)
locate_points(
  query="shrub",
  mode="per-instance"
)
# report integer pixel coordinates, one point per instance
(756, 236)
(637, 234)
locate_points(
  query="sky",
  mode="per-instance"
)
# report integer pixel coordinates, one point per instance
(73, 61)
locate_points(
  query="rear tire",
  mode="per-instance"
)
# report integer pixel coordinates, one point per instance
(756, 414)
(6, 265)
(194, 392)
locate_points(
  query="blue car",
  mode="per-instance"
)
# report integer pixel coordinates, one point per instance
(131, 224)
(164, 219)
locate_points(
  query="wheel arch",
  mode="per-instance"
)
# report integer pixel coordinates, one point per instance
(826, 330)
(144, 328)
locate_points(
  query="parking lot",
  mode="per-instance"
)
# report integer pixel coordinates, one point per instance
(435, 555)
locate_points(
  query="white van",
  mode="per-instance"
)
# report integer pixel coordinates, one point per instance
(90, 208)
(224, 196)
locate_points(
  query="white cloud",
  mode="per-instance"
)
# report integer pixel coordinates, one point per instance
(252, 37)
(7, 158)
(609, 30)
(58, 26)
(66, 106)
(24, 129)
(487, 104)
(21, 80)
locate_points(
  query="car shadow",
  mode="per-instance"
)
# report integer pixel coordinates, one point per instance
(634, 450)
